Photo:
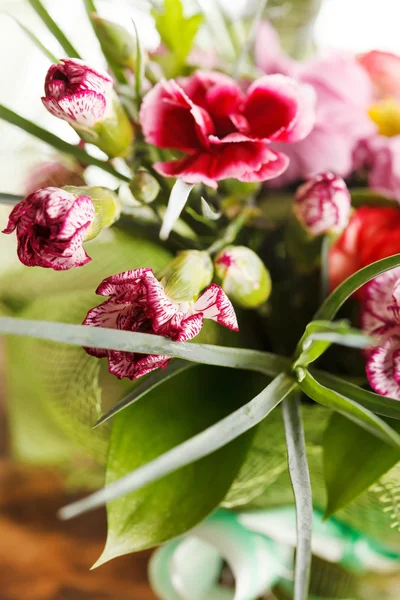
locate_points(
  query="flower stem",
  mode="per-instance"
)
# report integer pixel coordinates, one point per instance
(250, 38)
(231, 232)
(10, 199)
(300, 477)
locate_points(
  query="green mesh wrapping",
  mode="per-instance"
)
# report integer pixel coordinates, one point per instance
(264, 482)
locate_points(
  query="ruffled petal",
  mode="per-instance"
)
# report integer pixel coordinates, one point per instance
(279, 108)
(132, 366)
(379, 314)
(233, 157)
(189, 328)
(84, 108)
(383, 368)
(214, 304)
(170, 119)
(125, 286)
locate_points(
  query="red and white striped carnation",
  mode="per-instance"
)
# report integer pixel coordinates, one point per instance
(381, 317)
(323, 204)
(137, 302)
(77, 93)
(51, 225)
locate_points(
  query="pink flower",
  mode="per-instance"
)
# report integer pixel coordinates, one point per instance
(224, 132)
(51, 225)
(77, 93)
(343, 95)
(381, 317)
(138, 302)
(53, 173)
(384, 71)
(323, 204)
(381, 156)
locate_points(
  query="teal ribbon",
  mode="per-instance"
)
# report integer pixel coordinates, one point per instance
(258, 547)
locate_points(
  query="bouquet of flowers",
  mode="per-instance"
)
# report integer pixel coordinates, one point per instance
(252, 207)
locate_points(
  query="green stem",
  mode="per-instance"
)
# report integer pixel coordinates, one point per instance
(54, 28)
(10, 199)
(53, 140)
(300, 477)
(231, 232)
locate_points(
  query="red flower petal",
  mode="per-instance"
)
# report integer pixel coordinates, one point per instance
(279, 108)
(214, 304)
(169, 119)
(233, 157)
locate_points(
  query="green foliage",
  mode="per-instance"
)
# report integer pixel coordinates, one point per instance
(177, 32)
(350, 409)
(353, 460)
(54, 28)
(167, 416)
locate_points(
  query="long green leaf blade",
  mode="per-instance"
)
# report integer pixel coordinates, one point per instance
(201, 445)
(11, 199)
(353, 461)
(150, 383)
(13, 118)
(300, 478)
(348, 408)
(338, 297)
(128, 341)
(52, 57)
(139, 70)
(54, 28)
(382, 405)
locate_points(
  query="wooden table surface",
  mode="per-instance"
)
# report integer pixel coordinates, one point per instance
(42, 558)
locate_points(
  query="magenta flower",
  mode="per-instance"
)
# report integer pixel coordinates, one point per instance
(224, 132)
(380, 156)
(323, 204)
(138, 302)
(381, 317)
(77, 93)
(51, 225)
(343, 96)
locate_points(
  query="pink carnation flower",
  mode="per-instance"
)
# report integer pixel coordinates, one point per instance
(343, 95)
(51, 226)
(77, 93)
(138, 302)
(380, 156)
(381, 317)
(224, 132)
(323, 204)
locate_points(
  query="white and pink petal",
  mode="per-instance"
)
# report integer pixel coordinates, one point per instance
(383, 368)
(214, 304)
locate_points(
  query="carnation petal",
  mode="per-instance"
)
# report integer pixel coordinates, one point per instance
(214, 304)
(377, 315)
(383, 368)
(169, 119)
(132, 366)
(83, 109)
(189, 328)
(279, 108)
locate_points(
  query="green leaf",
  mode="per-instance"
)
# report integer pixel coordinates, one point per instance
(177, 32)
(10, 116)
(382, 405)
(150, 383)
(36, 41)
(180, 409)
(338, 297)
(203, 444)
(127, 341)
(348, 408)
(319, 335)
(54, 28)
(300, 478)
(9, 198)
(353, 460)
(139, 70)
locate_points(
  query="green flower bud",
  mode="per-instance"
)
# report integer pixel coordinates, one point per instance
(116, 42)
(186, 275)
(144, 186)
(106, 203)
(243, 276)
(114, 134)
